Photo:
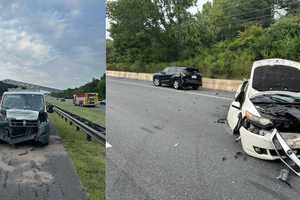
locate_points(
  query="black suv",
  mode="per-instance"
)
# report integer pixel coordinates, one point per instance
(178, 77)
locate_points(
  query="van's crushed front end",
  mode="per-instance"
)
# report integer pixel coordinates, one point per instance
(18, 126)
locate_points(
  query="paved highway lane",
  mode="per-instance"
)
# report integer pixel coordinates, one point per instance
(167, 144)
(28, 172)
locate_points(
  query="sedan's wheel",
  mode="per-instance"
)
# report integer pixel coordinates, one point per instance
(176, 84)
(156, 82)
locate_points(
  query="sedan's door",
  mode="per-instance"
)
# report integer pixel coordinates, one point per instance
(234, 115)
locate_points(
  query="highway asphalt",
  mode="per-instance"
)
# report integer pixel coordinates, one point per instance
(167, 144)
(29, 172)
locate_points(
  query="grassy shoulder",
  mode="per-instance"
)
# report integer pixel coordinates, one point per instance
(94, 115)
(88, 158)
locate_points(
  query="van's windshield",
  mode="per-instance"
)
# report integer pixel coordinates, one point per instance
(33, 102)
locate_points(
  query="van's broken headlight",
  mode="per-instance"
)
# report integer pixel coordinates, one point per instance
(261, 122)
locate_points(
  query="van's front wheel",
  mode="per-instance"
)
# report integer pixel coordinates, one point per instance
(43, 140)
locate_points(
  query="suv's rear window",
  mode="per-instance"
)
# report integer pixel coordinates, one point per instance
(186, 70)
(191, 70)
(276, 78)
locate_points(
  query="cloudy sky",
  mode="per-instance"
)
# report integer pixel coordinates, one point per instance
(56, 43)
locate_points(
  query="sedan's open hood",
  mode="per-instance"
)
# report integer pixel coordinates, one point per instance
(19, 114)
(273, 76)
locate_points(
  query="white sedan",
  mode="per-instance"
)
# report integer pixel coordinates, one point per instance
(266, 112)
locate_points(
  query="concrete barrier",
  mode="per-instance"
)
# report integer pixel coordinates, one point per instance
(209, 83)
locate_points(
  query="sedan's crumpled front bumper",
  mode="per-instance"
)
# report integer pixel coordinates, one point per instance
(262, 146)
(272, 146)
(290, 159)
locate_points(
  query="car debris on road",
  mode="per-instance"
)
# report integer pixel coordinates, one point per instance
(266, 112)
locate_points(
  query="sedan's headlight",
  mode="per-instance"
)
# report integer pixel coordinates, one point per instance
(261, 122)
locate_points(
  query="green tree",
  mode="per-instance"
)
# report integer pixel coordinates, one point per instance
(226, 18)
(145, 30)
(101, 87)
(292, 7)
(222, 39)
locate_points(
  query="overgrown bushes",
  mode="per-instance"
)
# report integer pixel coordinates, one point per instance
(233, 58)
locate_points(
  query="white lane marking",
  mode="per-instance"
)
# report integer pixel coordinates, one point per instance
(175, 145)
(108, 145)
(178, 91)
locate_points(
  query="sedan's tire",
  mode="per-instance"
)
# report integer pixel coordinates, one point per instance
(176, 84)
(156, 82)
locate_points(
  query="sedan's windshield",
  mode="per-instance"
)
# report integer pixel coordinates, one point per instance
(23, 101)
(277, 98)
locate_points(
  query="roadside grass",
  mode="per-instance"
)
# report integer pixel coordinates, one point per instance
(93, 115)
(88, 158)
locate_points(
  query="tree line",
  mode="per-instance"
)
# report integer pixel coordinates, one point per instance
(222, 39)
(95, 86)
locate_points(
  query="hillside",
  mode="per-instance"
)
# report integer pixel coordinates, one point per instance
(96, 85)
(29, 85)
(4, 87)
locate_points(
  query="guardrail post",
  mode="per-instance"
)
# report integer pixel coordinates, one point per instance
(90, 131)
(88, 137)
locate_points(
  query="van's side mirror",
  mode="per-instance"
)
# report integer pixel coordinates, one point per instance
(50, 108)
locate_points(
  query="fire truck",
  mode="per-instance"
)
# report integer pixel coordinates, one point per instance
(85, 99)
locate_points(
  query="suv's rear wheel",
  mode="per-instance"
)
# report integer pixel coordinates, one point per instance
(176, 84)
(156, 81)
(195, 87)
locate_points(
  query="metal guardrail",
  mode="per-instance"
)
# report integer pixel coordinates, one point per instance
(91, 129)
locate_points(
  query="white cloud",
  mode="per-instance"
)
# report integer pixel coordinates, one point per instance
(21, 52)
(45, 42)
(20, 47)
(75, 13)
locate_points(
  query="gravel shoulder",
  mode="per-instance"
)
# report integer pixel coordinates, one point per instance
(29, 172)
